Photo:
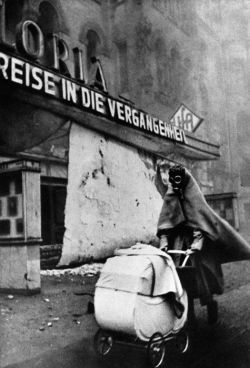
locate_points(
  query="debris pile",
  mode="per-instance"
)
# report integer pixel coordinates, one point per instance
(88, 270)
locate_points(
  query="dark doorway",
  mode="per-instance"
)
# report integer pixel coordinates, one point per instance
(53, 199)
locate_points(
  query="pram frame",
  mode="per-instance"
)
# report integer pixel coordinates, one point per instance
(156, 346)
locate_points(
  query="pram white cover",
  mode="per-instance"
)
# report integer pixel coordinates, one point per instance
(131, 295)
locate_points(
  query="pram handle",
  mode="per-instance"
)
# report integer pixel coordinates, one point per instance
(187, 253)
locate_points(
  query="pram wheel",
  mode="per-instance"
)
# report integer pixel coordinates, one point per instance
(156, 350)
(183, 341)
(103, 342)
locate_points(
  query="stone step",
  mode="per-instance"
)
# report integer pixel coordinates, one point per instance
(50, 255)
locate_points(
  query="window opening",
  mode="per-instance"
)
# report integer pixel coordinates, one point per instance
(13, 15)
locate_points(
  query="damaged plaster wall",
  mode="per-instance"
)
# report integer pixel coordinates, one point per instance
(111, 201)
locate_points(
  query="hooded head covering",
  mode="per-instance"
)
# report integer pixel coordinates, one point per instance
(171, 213)
(193, 209)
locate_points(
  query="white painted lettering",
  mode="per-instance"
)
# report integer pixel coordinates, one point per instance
(128, 114)
(92, 95)
(63, 88)
(170, 133)
(85, 97)
(162, 128)
(111, 104)
(135, 117)
(142, 121)
(49, 84)
(155, 125)
(120, 110)
(36, 75)
(27, 74)
(17, 70)
(183, 135)
(4, 63)
(177, 134)
(149, 123)
(71, 91)
(100, 103)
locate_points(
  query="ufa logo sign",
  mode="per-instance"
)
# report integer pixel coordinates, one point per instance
(185, 119)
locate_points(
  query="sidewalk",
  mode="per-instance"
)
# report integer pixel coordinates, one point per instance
(32, 325)
(55, 325)
(223, 345)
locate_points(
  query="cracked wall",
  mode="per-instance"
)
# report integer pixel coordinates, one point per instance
(111, 197)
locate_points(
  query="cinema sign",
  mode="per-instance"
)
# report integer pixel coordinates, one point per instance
(26, 70)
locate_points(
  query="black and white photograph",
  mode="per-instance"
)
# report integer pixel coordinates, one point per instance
(124, 183)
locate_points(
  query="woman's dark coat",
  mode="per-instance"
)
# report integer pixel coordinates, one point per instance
(222, 243)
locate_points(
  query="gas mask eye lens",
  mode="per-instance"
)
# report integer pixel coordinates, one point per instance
(177, 179)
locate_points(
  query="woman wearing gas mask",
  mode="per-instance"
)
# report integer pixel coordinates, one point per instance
(185, 222)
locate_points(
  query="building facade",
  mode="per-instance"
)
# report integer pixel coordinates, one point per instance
(88, 90)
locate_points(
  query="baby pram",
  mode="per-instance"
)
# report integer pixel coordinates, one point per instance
(140, 302)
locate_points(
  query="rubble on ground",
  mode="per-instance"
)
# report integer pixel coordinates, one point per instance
(84, 270)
